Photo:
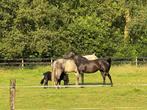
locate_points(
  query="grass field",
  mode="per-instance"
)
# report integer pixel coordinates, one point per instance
(128, 93)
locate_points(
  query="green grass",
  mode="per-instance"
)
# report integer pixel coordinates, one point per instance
(120, 97)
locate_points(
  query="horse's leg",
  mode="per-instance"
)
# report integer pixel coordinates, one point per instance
(104, 77)
(59, 82)
(109, 76)
(45, 83)
(82, 78)
(42, 81)
(66, 79)
(77, 76)
(77, 83)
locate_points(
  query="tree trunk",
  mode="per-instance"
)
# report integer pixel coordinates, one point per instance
(126, 30)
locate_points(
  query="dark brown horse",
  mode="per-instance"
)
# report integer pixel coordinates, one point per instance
(91, 66)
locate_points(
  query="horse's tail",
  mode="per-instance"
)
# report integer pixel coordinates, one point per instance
(109, 60)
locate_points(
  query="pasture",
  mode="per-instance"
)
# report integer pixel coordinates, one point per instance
(128, 93)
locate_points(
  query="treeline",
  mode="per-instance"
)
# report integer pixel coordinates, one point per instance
(51, 28)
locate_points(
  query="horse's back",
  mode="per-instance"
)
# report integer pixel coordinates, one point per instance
(66, 64)
(91, 57)
(63, 65)
(58, 61)
(70, 66)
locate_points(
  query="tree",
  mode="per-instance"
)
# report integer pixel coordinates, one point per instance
(50, 28)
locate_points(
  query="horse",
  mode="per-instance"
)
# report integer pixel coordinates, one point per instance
(47, 77)
(91, 66)
(62, 65)
(66, 65)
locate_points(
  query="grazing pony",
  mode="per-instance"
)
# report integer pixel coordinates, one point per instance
(91, 66)
(66, 65)
(60, 66)
(47, 77)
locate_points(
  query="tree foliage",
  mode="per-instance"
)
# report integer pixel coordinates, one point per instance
(50, 28)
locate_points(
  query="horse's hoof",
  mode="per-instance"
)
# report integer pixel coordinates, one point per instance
(58, 87)
(82, 86)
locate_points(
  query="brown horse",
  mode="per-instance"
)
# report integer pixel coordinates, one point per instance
(91, 66)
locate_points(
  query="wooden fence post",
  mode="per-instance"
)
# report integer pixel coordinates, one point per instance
(22, 63)
(51, 62)
(136, 62)
(12, 94)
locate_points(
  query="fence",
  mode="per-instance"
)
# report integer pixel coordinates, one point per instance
(46, 61)
(135, 61)
(13, 86)
(25, 62)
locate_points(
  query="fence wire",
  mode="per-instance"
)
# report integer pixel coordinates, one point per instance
(78, 86)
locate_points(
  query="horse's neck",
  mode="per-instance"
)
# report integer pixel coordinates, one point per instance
(80, 60)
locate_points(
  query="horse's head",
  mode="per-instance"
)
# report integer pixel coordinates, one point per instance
(69, 55)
